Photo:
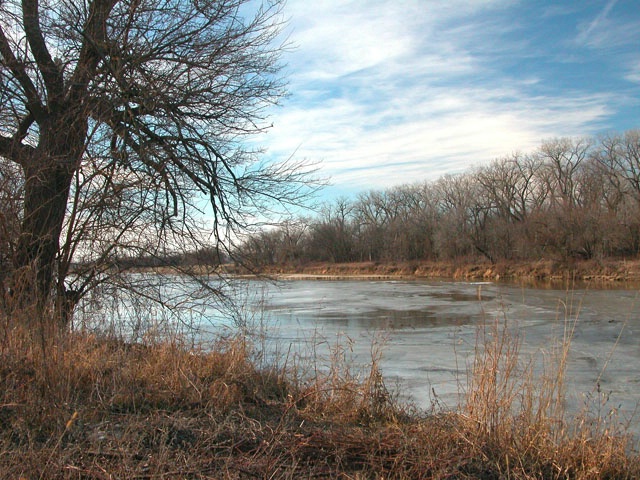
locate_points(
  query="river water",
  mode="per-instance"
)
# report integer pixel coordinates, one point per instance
(428, 332)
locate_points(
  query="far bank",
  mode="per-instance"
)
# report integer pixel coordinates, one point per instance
(601, 271)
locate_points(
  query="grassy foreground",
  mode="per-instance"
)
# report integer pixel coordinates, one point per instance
(99, 408)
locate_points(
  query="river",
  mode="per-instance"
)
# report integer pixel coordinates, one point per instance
(427, 332)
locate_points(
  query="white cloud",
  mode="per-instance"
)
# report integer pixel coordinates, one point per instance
(385, 93)
(633, 74)
(339, 38)
(447, 131)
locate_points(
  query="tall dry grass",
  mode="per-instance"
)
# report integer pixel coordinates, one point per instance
(91, 406)
(516, 413)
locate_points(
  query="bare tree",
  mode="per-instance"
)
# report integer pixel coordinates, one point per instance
(512, 191)
(371, 221)
(619, 157)
(509, 184)
(563, 158)
(455, 196)
(332, 236)
(122, 114)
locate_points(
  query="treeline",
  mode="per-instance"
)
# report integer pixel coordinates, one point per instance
(568, 199)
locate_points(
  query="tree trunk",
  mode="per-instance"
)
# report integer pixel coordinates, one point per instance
(45, 202)
(48, 175)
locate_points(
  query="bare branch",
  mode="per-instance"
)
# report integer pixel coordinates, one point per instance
(51, 73)
(17, 68)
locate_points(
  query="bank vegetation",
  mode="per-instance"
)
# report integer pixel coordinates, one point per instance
(535, 214)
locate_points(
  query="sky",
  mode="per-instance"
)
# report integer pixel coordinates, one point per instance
(384, 93)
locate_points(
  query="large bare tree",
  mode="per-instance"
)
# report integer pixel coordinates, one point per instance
(122, 115)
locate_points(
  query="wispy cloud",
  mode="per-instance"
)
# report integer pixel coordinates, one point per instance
(633, 74)
(587, 32)
(606, 32)
(384, 93)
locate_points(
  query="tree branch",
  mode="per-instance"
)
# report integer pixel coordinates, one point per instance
(6, 145)
(19, 72)
(51, 74)
(13, 150)
(23, 127)
(95, 35)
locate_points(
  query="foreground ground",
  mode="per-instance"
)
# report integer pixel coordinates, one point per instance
(98, 408)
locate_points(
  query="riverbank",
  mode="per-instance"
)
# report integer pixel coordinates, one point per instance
(604, 271)
(98, 408)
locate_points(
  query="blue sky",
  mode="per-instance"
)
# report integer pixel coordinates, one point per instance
(384, 93)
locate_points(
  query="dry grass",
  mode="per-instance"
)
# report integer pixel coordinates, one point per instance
(515, 409)
(90, 407)
(603, 272)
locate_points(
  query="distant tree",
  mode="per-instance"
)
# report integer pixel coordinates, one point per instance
(371, 222)
(260, 249)
(619, 157)
(563, 162)
(511, 190)
(331, 238)
(121, 115)
(562, 159)
(570, 198)
(455, 197)
(293, 238)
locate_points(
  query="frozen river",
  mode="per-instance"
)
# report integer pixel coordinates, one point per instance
(429, 329)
